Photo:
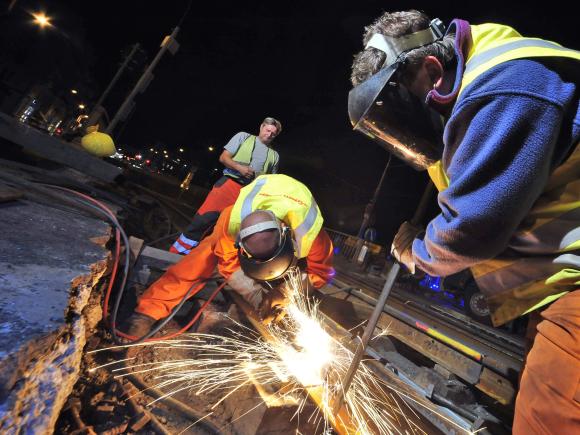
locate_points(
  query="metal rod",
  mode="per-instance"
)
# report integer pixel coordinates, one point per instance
(382, 300)
(369, 330)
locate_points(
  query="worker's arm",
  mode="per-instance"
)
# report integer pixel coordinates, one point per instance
(231, 148)
(501, 146)
(224, 247)
(228, 162)
(319, 260)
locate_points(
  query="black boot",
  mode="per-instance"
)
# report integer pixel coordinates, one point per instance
(139, 325)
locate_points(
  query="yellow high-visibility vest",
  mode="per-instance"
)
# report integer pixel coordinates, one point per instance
(244, 155)
(547, 241)
(288, 199)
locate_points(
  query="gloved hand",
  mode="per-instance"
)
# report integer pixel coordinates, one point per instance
(251, 291)
(273, 306)
(268, 303)
(402, 247)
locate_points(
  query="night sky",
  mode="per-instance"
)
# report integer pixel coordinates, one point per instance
(241, 61)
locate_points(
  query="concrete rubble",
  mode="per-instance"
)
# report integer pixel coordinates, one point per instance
(52, 260)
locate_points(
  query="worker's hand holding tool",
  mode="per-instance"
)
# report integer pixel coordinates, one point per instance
(273, 307)
(268, 303)
(250, 290)
(402, 247)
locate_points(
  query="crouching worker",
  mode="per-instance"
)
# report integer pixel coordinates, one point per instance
(273, 224)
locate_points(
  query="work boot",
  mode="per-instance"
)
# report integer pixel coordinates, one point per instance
(139, 325)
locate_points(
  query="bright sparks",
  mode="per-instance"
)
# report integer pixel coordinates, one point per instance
(298, 360)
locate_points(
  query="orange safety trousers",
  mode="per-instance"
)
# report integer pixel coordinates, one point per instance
(548, 401)
(218, 249)
(223, 194)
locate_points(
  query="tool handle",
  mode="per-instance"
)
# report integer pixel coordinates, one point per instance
(369, 330)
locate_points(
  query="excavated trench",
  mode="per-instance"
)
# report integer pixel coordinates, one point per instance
(108, 404)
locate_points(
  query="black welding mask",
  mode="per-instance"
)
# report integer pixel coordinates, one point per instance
(275, 267)
(383, 109)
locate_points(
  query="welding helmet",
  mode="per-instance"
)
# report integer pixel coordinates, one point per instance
(282, 260)
(384, 109)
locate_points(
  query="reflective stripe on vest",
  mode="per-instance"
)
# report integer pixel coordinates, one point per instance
(542, 261)
(245, 154)
(288, 199)
(494, 44)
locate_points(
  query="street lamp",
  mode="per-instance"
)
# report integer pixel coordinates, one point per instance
(180, 150)
(42, 20)
(81, 106)
(210, 148)
(74, 91)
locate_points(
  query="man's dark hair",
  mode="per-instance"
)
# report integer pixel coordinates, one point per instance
(370, 60)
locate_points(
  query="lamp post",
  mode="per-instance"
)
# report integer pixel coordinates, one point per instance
(170, 44)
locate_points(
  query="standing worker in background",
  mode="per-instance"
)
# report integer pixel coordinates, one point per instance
(273, 224)
(245, 157)
(507, 163)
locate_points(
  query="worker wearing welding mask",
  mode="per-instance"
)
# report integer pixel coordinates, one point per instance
(494, 118)
(274, 225)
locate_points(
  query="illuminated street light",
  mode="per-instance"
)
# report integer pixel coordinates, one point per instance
(180, 150)
(81, 106)
(74, 91)
(210, 148)
(42, 20)
(151, 149)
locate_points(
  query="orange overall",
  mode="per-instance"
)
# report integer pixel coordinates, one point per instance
(549, 398)
(218, 250)
(223, 194)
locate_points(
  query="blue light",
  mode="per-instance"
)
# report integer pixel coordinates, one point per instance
(432, 282)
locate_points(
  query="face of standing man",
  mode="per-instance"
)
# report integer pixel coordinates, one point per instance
(267, 133)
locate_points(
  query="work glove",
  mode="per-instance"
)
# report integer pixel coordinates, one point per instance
(402, 247)
(250, 290)
(273, 306)
(268, 303)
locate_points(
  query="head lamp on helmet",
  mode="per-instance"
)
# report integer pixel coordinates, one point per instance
(384, 109)
(281, 260)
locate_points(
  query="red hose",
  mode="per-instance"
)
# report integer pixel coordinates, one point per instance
(182, 330)
(114, 275)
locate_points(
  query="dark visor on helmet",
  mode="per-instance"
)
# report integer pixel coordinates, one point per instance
(274, 268)
(384, 109)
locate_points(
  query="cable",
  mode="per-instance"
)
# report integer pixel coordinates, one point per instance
(105, 210)
(177, 405)
(149, 335)
(112, 324)
(113, 273)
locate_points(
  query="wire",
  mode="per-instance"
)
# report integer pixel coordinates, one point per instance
(113, 274)
(103, 209)
(149, 335)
